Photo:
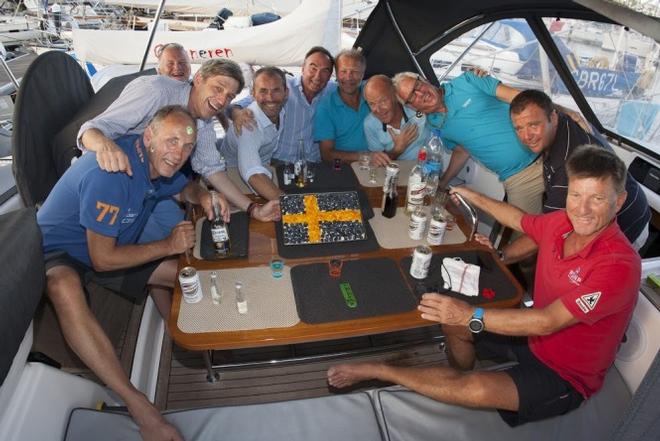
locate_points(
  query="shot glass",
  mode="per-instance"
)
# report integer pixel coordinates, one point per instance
(372, 174)
(334, 268)
(277, 268)
(364, 161)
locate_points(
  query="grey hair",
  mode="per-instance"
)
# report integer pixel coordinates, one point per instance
(163, 48)
(163, 113)
(224, 67)
(353, 54)
(396, 82)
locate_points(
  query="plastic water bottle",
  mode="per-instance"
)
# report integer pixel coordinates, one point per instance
(416, 184)
(433, 167)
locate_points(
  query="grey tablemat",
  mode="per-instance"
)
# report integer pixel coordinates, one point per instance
(239, 237)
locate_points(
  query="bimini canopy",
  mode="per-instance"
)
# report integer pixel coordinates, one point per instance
(401, 35)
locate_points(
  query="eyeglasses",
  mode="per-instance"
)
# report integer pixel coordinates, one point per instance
(416, 87)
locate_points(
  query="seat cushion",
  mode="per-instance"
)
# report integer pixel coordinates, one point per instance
(335, 418)
(408, 416)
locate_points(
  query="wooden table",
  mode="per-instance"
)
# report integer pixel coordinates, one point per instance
(262, 247)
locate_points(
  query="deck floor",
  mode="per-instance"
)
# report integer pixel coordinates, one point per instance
(182, 376)
(183, 384)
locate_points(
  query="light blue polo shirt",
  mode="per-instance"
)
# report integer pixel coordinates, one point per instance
(480, 122)
(334, 120)
(379, 138)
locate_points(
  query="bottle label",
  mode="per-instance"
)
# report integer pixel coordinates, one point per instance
(219, 234)
(416, 191)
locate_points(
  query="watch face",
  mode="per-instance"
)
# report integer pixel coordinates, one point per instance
(476, 326)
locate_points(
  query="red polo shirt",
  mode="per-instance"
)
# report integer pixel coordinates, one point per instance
(599, 286)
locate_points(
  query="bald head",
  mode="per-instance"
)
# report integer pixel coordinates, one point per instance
(379, 93)
(378, 84)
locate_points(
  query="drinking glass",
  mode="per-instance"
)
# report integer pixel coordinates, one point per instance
(277, 268)
(364, 161)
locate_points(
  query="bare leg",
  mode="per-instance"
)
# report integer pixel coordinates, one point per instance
(445, 384)
(460, 347)
(161, 283)
(88, 340)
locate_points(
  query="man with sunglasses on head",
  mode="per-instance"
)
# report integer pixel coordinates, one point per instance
(473, 113)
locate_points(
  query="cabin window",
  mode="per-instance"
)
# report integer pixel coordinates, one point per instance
(617, 71)
(509, 51)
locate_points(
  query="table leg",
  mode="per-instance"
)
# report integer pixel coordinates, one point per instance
(211, 375)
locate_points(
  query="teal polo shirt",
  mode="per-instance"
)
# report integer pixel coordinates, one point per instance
(480, 122)
(336, 121)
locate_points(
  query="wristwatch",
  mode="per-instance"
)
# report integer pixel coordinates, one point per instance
(476, 323)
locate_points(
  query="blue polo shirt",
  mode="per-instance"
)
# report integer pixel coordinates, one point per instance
(379, 138)
(111, 204)
(480, 122)
(336, 121)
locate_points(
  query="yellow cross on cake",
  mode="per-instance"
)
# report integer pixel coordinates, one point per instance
(321, 218)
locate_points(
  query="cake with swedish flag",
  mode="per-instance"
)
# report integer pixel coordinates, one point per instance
(314, 218)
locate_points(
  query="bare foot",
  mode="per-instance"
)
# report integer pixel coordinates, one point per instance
(153, 426)
(344, 375)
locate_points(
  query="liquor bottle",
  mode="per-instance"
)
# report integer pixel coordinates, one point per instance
(433, 166)
(219, 232)
(300, 167)
(416, 184)
(390, 194)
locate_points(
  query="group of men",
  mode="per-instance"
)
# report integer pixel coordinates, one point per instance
(115, 217)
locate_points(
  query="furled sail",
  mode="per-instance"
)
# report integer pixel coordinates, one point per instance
(283, 42)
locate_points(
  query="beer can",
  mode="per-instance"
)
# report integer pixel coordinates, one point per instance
(421, 260)
(437, 227)
(417, 225)
(191, 287)
(391, 173)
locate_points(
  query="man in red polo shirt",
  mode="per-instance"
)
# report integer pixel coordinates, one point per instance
(587, 282)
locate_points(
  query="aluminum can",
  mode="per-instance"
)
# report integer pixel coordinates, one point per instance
(391, 173)
(437, 227)
(421, 260)
(191, 287)
(417, 225)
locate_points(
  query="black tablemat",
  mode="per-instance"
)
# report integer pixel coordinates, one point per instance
(238, 235)
(331, 249)
(326, 177)
(376, 284)
(490, 276)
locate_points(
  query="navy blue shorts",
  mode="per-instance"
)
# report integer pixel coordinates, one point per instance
(542, 393)
(130, 283)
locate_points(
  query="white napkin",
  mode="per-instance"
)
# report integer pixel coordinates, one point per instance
(463, 277)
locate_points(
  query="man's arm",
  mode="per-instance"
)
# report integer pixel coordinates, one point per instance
(459, 157)
(521, 248)
(506, 93)
(106, 255)
(515, 322)
(329, 153)
(265, 213)
(108, 154)
(504, 213)
(264, 186)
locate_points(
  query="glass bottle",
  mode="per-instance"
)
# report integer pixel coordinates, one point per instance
(219, 232)
(433, 166)
(390, 194)
(300, 167)
(416, 184)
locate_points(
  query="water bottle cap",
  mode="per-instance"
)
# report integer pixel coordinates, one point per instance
(437, 132)
(422, 155)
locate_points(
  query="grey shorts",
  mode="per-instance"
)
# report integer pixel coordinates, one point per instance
(130, 283)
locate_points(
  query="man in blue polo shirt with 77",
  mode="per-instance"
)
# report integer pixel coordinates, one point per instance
(90, 224)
